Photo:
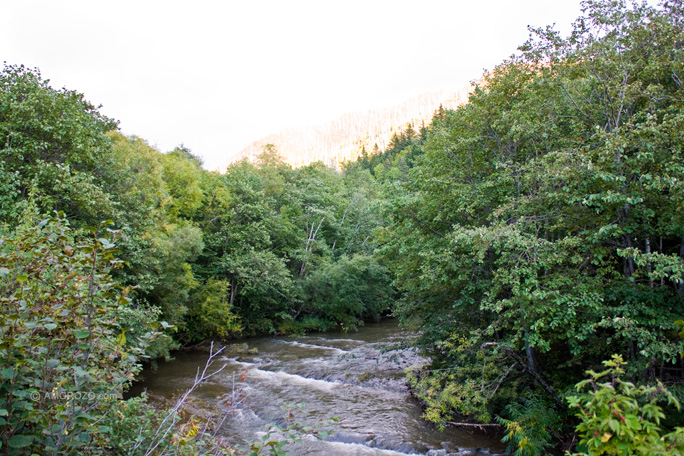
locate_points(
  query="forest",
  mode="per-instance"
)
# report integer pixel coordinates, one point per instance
(533, 238)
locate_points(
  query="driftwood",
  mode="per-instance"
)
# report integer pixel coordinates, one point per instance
(548, 388)
(476, 426)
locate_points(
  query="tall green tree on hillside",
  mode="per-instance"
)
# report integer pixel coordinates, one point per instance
(542, 229)
(53, 143)
(239, 249)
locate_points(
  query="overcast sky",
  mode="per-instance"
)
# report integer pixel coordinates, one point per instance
(217, 75)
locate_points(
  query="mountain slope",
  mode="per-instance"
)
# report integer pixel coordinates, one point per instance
(343, 139)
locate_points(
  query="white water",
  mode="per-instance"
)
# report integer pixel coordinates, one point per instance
(356, 378)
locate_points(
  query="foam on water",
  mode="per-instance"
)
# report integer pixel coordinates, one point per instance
(313, 346)
(355, 377)
(284, 377)
(357, 449)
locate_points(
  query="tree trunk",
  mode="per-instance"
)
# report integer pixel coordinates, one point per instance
(628, 265)
(532, 359)
(648, 265)
(680, 287)
(531, 354)
(233, 287)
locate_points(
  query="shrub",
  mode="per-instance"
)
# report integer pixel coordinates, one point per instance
(64, 355)
(621, 418)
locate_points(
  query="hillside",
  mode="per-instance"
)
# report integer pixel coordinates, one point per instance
(343, 138)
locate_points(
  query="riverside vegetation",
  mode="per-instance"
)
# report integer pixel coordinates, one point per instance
(533, 234)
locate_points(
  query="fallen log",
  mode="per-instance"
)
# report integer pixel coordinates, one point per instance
(475, 425)
(472, 427)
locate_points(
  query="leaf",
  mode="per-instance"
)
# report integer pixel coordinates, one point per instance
(22, 278)
(165, 325)
(4, 271)
(50, 326)
(606, 437)
(633, 422)
(20, 441)
(614, 426)
(7, 373)
(82, 334)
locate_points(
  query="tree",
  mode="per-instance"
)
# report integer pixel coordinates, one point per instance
(541, 229)
(53, 145)
(348, 291)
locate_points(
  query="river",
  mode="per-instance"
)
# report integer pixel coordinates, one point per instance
(357, 378)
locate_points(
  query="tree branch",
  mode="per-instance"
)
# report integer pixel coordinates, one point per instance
(548, 388)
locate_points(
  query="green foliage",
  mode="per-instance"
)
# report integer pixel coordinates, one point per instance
(348, 290)
(137, 428)
(172, 249)
(545, 218)
(273, 233)
(211, 254)
(70, 344)
(528, 431)
(54, 142)
(446, 398)
(546, 215)
(145, 323)
(140, 188)
(467, 386)
(210, 315)
(182, 177)
(619, 418)
(305, 324)
(63, 348)
(392, 163)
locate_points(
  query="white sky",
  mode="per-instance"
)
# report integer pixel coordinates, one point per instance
(217, 75)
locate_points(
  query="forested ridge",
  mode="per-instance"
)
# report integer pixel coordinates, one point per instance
(348, 136)
(533, 238)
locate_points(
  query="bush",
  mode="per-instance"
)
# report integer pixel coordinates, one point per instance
(621, 418)
(64, 356)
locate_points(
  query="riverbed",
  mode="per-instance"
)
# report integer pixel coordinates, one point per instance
(357, 378)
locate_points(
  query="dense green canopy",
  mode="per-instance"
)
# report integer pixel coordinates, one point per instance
(542, 228)
(527, 236)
